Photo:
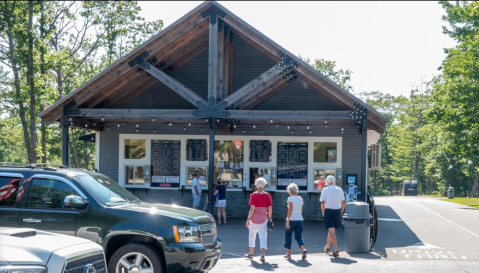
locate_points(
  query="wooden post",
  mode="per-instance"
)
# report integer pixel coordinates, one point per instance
(215, 55)
(65, 140)
(211, 162)
(364, 160)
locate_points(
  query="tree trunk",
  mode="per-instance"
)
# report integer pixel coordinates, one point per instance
(43, 128)
(31, 85)
(18, 96)
(85, 160)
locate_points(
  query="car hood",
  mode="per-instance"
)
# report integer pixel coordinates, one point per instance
(32, 250)
(173, 211)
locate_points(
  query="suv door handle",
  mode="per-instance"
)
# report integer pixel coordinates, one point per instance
(30, 220)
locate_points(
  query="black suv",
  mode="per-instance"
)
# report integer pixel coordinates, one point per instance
(136, 236)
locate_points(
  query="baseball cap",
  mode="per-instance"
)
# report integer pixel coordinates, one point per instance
(330, 179)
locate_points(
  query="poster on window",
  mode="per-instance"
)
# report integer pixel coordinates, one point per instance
(332, 156)
(165, 163)
(292, 164)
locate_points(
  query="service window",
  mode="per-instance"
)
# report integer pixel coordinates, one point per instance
(135, 149)
(8, 191)
(190, 171)
(134, 176)
(319, 180)
(325, 152)
(229, 163)
(48, 194)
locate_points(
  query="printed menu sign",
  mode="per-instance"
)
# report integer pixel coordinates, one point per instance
(292, 164)
(196, 150)
(259, 151)
(165, 163)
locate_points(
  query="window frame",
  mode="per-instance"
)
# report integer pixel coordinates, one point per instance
(12, 175)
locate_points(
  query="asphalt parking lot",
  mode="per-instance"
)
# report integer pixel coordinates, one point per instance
(415, 234)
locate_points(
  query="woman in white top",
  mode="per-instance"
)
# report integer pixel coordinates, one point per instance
(294, 221)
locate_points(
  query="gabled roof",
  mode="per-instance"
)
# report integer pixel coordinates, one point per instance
(186, 34)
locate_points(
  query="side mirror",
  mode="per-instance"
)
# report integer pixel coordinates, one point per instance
(75, 202)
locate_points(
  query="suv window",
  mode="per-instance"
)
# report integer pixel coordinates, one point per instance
(106, 189)
(48, 193)
(8, 191)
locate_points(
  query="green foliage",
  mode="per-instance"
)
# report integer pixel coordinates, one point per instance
(328, 68)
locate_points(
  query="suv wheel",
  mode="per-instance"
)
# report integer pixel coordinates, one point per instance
(137, 258)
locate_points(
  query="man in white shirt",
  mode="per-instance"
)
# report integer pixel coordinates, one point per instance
(196, 189)
(332, 206)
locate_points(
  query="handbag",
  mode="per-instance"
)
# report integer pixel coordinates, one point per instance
(270, 225)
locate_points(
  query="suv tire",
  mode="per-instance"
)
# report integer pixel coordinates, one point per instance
(142, 256)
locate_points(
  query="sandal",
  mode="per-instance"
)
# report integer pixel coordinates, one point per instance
(248, 255)
(262, 259)
(326, 249)
(334, 254)
(304, 254)
(287, 256)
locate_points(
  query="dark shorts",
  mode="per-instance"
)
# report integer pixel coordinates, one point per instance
(332, 218)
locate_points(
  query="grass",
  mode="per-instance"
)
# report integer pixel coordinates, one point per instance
(473, 202)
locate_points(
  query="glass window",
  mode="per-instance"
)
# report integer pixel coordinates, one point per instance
(8, 191)
(229, 163)
(48, 193)
(203, 175)
(332, 173)
(325, 152)
(134, 175)
(196, 150)
(105, 189)
(260, 151)
(319, 180)
(135, 148)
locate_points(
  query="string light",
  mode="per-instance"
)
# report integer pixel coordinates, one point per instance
(153, 119)
(326, 123)
(261, 130)
(277, 125)
(70, 119)
(307, 127)
(123, 123)
(234, 126)
(108, 128)
(102, 119)
(254, 126)
(292, 132)
(288, 127)
(154, 131)
(189, 124)
(118, 125)
(342, 131)
(201, 129)
(169, 124)
(218, 120)
(184, 128)
(206, 120)
(137, 125)
(86, 125)
(137, 130)
(310, 132)
(271, 120)
(243, 131)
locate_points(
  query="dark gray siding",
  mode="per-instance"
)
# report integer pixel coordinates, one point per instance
(352, 158)
(248, 64)
(109, 156)
(298, 96)
(193, 74)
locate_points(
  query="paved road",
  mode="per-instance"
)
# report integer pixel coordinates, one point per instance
(415, 234)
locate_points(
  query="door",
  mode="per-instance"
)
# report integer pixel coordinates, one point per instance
(44, 209)
(9, 184)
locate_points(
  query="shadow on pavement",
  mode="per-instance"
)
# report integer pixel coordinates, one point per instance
(299, 263)
(393, 232)
(339, 260)
(264, 266)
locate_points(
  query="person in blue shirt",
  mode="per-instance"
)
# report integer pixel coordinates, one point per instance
(221, 203)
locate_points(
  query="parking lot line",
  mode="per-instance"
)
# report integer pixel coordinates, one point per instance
(470, 232)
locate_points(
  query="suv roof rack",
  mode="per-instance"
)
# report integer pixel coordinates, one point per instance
(33, 165)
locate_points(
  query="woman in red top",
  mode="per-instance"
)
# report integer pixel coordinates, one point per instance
(261, 210)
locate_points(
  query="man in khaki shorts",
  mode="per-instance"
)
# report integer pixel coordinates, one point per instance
(332, 206)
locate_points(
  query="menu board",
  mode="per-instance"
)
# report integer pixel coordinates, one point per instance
(259, 150)
(165, 163)
(196, 150)
(292, 165)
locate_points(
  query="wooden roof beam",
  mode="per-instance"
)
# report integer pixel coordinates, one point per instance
(263, 95)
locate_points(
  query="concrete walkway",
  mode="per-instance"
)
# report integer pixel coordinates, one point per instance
(415, 234)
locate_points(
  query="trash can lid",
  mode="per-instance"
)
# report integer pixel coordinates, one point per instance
(357, 210)
(450, 189)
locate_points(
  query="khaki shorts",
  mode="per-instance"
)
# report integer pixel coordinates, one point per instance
(221, 203)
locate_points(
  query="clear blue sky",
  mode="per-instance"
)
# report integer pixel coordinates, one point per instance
(387, 45)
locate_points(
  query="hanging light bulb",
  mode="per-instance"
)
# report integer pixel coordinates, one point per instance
(277, 125)
(70, 119)
(261, 130)
(201, 129)
(189, 124)
(271, 120)
(102, 119)
(154, 130)
(153, 119)
(86, 125)
(292, 132)
(118, 125)
(254, 126)
(169, 124)
(307, 127)
(184, 128)
(243, 131)
(310, 132)
(92, 138)
(218, 120)
(342, 131)
(288, 127)
(206, 120)
(234, 126)
(123, 123)
(326, 123)
(137, 125)
(137, 130)
(108, 128)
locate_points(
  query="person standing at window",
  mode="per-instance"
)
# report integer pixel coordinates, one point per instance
(261, 210)
(332, 206)
(294, 221)
(196, 189)
(221, 204)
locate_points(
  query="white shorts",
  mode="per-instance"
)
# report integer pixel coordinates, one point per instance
(221, 203)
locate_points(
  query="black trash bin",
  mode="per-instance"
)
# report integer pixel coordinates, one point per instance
(410, 187)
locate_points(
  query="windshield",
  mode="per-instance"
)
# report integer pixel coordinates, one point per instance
(106, 189)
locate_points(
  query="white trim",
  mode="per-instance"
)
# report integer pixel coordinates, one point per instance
(97, 151)
(247, 165)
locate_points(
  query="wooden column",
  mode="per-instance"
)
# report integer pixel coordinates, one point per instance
(65, 140)
(215, 59)
(364, 161)
(211, 163)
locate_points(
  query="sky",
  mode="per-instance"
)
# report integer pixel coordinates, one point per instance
(389, 46)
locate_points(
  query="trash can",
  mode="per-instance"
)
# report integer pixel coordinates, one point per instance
(357, 222)
(410, 187)
(450, 193)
